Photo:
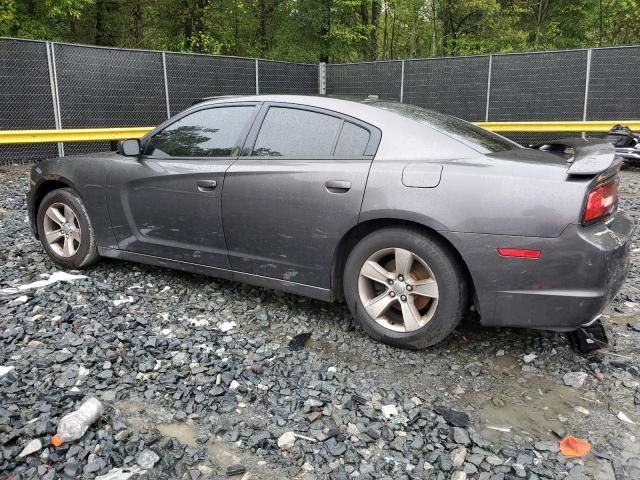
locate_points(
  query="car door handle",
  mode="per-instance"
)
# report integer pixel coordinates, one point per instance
(337, 186)
(207, 185)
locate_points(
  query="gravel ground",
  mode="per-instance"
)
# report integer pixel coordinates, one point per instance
(263, 399)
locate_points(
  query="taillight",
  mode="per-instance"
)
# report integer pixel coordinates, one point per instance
(602, 200)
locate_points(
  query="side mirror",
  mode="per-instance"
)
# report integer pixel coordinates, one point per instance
(129, 148)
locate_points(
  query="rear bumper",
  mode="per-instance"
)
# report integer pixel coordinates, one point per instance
(575, 278)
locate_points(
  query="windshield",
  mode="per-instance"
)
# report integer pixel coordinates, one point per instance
(465, 132)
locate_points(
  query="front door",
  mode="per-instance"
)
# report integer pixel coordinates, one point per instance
(167, 203)
(287, 204)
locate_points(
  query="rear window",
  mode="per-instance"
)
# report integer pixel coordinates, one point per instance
(465, 132)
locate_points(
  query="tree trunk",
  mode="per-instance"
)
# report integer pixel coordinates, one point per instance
(384, 35)
(137, 22)
(373, 32)
(265, 9)
(102, 38)
(393, 35)
(325, 32)
(236, 35)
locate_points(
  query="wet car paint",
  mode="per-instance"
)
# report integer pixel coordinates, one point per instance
(274, 222)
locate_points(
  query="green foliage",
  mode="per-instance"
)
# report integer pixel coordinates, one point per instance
(328, 30)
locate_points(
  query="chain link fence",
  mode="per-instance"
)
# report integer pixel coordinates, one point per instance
(51, 85)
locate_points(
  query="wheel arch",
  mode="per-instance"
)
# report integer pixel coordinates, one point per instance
(359, 231)
(45, 187)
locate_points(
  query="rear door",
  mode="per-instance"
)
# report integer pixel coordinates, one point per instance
(167, 202)
(295, 192)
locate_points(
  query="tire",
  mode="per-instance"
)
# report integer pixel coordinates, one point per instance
(429, 318)
(73, 230)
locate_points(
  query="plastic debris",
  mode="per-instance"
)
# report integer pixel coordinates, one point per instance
(455, 418)
(299, 341)
(389, 411)
(623, 417)
(53, 278)
(120, 473)
(571, 446)
(499, 429)
(32, 447)
(226, 326)
(4, 370)
(75, 424)
(147, 459)
(530, 357)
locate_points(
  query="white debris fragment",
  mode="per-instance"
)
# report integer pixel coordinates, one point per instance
(287, 440)
(53, 278)
(499, 429)
(332, 369)
(32, 447)
(18, 301)
(530, 357)
(122, 301)
(574, 379)
(581, 410)
(389, 411)
(199, 322)
(623, 417)
(4, 370)
(234, 385)
(165, 289)
(121, 473)
(226, 326)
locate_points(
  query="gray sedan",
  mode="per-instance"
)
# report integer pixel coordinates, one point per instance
(408, 215)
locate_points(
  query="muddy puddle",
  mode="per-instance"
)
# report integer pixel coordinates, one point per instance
(141, 415)
(526, 408)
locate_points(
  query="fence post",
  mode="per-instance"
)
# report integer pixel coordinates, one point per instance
(257, 78)
(586, 86)
(55, 97)
(486, 111)
(322, 78)
(166, 84)
(402, 82)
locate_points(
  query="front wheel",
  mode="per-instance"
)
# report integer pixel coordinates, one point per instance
(405, 288)
(65, 229)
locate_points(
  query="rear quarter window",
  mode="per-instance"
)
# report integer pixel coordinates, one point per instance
(353, 140)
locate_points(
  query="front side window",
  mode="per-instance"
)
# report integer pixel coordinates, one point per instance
(290, 132)
(213, 132)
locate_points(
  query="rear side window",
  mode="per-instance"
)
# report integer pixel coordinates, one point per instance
(290, 132)
(353, 140)
(214, 132)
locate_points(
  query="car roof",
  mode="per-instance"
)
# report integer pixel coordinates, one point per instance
(402, 137)
(357, 109)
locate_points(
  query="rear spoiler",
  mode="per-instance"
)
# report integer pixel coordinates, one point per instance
(590, 157)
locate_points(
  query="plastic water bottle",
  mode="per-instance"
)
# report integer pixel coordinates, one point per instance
(75, 424)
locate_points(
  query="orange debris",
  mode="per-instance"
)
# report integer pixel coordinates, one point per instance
(571, 446)
(57, 440)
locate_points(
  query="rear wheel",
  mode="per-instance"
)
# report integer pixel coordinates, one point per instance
(404, 288)
(65, 229)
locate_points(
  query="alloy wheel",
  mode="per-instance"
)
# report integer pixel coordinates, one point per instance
(62, 230)
(398, 289)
